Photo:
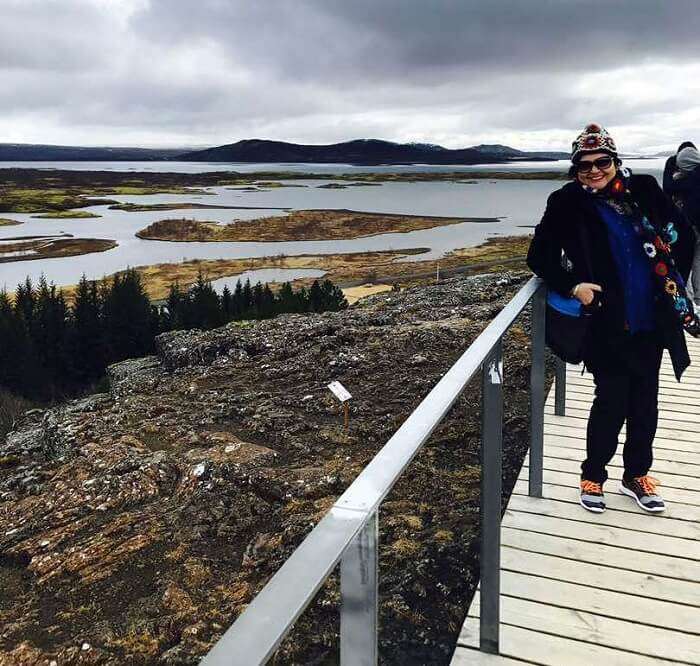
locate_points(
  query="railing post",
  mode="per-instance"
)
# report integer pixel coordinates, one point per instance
(358, 591)
(537, 324)
(491, 446)
(560, 388)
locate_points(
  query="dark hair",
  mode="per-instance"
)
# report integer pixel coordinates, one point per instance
(573, 169)
(685, 144)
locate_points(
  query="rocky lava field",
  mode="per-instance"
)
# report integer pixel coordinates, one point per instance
(136, 525)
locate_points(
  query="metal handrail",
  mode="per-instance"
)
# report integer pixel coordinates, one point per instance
(348, 533)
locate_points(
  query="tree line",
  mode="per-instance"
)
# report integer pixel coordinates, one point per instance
(50, 348)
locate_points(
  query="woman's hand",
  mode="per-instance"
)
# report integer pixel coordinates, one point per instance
(584, 291)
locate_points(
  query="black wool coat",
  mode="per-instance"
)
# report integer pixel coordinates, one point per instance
(686, 191)
(572, 223)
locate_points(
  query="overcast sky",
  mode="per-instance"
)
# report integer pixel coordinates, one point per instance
(528, 73)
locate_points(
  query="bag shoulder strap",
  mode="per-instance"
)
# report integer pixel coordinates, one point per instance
(583, 236)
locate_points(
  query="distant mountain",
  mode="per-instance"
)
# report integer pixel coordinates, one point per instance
(38, 152)
(513, 153)
(360, 151)
(497, 149)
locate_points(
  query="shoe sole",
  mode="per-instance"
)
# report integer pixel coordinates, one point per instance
(630, 493)
(590, 508)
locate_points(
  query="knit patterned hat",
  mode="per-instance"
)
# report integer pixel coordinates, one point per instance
(593, 139)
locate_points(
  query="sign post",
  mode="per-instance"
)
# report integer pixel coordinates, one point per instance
(343, 395)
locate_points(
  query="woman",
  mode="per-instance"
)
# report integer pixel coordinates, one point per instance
(622, 226)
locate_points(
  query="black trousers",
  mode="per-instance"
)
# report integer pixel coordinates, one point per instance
(626, 389)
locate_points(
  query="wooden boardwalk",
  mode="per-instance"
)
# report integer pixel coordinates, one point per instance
(614, 589)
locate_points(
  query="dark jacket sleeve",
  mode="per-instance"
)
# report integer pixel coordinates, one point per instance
(684, 246)
(545, 254)
(680, 186)
(669, 168)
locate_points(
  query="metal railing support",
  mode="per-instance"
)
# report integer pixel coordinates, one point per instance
(537, 324)
(491, 445)
(358, 590)
(560, 388)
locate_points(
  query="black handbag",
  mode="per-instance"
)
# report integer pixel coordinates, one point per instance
(567, 320)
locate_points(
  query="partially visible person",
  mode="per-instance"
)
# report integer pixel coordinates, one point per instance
(682, 184)
(671, 168)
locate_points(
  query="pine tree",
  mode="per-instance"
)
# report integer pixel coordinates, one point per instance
(14, 347)
(303, 301)
(316, 297)
(285, 300)
(87, 344)
(226, 304)
(238, 301)
(48, 331)
(267, 303)
(129, 322)
(25, 299)
(333, 297)
(247, 300)
(175, 306)
(206, 307)
(32, 379)
(257, 301)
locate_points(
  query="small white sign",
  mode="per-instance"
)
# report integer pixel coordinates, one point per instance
(339, 391)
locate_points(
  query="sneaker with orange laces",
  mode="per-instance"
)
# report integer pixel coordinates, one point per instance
(643, 490)
(592, 496)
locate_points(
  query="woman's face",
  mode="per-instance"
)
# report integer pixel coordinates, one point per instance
(597, 177)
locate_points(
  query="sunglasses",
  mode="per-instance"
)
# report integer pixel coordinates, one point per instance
(601, 163)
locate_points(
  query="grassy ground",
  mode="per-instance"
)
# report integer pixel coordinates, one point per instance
(358, 273)
(66, 215)
(354, 294)
(298, 225)
(43, 248)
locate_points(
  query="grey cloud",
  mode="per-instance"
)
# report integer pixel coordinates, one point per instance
(54, 36)
(368, 39)
(323, 70)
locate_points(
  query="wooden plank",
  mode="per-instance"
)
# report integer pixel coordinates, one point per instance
(641, 523)
(666, 391)
(595, 553)
(689, 374)
(661, 462)
(664, 384)
(614, 501)
(600, 576)
(604, 602)
(560, 443)
(549, 650)
(667, 480)
(578, 429)
(605, 534)
(670, 394)
(588, 387)
(593, 628)
(679, 408)
(662, 432)
(465, 656)
(685, 402)
(667, 419)
(571, 480)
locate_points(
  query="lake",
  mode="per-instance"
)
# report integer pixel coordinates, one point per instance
(518, 205)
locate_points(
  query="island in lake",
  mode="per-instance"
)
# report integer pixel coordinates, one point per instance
(298, 225)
